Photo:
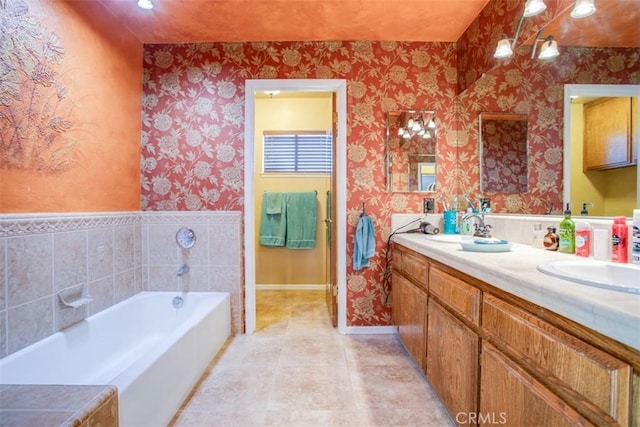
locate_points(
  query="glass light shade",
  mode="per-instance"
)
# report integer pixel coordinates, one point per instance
(400, 131)
(145, 4)
(503, 49)
(583, 8)
(549, 49)
(421, 132)
(416, 126)
(409, 123)
(533, 7)
(427, 135)
(432, 124)
(406, 135)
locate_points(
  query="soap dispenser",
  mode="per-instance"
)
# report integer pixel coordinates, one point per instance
(566, 233)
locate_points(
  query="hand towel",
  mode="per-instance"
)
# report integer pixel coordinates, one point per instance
(302, 216)
(275, 202)
(273, 226)
(364, 246)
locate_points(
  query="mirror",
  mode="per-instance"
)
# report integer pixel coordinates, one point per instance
(503, 153)
(411, 151)
(610, 191)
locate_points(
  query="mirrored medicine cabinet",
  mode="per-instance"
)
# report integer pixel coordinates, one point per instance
(412, 138)
(503, 153)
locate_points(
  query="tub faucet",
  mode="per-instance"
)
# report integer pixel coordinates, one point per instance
(184, 269)
(481, 229)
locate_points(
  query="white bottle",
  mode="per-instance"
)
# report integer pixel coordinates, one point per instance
(635, 238)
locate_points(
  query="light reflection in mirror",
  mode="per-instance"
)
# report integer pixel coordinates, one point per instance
(411, 151)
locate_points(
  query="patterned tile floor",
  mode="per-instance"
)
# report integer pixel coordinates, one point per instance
(297, 370)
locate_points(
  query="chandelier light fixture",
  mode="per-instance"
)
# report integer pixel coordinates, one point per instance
(548, 49)
(533, 8)
(417, 125)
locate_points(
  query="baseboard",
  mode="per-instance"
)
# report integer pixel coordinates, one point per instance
(372, 330)
(283, 287)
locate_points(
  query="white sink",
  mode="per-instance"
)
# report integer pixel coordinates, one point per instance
(619, 277)
(447, 238)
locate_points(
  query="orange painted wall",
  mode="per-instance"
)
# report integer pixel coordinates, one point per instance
(97, 101)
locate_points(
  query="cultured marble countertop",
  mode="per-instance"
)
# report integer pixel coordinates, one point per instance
(615, 314)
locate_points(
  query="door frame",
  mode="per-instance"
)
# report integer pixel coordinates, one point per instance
(339, 86)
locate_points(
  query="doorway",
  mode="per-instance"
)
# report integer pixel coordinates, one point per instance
(338, 87)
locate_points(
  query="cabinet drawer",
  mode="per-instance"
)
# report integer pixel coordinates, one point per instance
(599, 377)
(415, 267)
(456, 294)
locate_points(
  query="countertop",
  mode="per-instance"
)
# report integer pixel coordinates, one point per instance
(615, 314)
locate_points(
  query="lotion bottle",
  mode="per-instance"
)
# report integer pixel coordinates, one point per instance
(619, 239)
(551, 239)
(583, 238)
(566, 233)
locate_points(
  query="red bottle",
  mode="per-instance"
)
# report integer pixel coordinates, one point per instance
(619, 239)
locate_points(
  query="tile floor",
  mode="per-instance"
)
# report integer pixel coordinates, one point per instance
(297, 370)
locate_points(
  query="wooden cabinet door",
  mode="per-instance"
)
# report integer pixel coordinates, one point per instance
(452, 363)
(511, 397)
(607, 134)
(412, 319)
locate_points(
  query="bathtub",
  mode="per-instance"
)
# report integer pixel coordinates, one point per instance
(152, 352)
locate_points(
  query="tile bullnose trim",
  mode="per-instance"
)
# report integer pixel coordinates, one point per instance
(21, 225)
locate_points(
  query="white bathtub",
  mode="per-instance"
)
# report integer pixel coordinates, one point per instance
(153, 352)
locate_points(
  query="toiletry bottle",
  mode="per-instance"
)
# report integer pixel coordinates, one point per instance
(583, 238)
(551, 239)
(619, 239)
(601, 244)
(538, 236)
(465, 224)
(635, 249)
(566, 232)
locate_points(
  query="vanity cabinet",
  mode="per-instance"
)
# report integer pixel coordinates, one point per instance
(452, 361)
(506, 360)
(609, 134)
(510, 396)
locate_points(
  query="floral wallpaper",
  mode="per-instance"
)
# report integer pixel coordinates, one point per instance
(193, 127)
(504, 156)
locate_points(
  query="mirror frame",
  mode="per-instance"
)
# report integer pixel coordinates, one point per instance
(603, 90)
(488, 115)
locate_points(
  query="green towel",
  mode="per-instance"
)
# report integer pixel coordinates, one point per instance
(275, 202)
(273, 227)
(302, 216)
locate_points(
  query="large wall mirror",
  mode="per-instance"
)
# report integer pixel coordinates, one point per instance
(604, 119)
(503, 153)
(411, 151)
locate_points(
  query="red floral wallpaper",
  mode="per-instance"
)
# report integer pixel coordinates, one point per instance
(193, 127)
(504, 156)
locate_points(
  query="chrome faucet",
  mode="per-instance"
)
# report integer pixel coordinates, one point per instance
(184, 269)
(481, 229)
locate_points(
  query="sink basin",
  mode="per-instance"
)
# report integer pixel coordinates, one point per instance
(619, 277)
(447, 238)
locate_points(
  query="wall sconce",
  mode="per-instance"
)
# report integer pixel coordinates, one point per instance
(145, 4)
(533, 8)
(548, 49)
(583, 8)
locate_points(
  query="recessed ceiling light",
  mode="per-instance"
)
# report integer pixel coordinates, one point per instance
(145, 4)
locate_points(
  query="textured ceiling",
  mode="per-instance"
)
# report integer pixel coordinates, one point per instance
(185, 21)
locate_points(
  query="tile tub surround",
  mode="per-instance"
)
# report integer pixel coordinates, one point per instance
(116, 255)
(64, 405)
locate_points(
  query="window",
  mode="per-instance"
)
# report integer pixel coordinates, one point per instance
(298, 152)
